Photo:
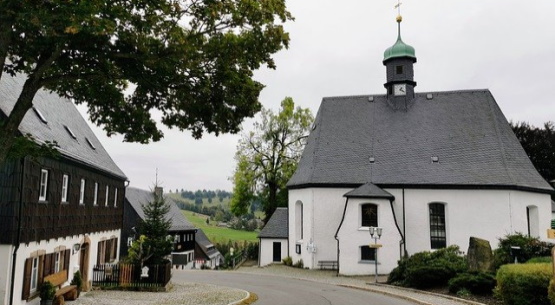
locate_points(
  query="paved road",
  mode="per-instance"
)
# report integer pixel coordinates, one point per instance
(273, 290)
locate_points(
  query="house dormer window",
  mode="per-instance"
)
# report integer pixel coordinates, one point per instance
(41, 117)
(70, 132)
(43, 184)
(90, 144)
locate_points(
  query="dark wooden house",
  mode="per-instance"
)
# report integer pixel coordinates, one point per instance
(182, 231)
(62, 212)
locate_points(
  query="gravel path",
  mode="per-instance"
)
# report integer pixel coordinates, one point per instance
(179, 294)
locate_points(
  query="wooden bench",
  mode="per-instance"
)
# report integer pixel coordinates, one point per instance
(327, 264)
(57, 279)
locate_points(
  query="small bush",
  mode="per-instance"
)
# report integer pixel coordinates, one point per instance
(429, 269)
(530, 247)
(47, 291)
(463, 293)
(542, 259)
(523, 284)
(479, 283)
(288, 261)
(299, 264)
(77, 280)
(551, 292)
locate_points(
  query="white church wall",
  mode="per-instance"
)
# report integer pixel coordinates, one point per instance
(304, 196)
(267, 250)
(352, 236)
(487, 214)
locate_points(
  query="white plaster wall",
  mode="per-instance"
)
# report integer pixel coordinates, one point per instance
(329, 205)
(306, 197)
(5, 272)
(352, 236)
(25, 251)
(267, 250)
(487, 214)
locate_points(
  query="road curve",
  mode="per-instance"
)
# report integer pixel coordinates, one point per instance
(273, 290)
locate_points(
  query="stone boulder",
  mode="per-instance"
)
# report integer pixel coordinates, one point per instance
(480, 256)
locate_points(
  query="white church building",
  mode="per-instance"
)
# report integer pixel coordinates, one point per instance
(431, 169)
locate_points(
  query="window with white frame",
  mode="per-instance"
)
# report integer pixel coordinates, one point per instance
(116, 197)
(65, 184)
(95, 198)
(34, 274)
(43, 184)
(56, 262)
(82, 192)
(107, 193)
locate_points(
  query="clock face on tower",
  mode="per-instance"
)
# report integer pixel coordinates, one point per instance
(400, 89)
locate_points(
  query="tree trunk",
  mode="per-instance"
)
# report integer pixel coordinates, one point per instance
(272, 201)
(10, 130)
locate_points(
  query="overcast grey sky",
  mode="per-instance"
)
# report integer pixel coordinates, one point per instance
(337, 49)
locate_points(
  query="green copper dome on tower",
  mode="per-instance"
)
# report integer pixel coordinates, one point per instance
(399, 49)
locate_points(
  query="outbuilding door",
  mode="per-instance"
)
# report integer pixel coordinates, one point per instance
(277, 251)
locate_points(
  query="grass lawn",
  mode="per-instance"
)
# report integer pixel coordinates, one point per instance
(219, 234)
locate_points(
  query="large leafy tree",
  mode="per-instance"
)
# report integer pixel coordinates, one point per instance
(539, 144)
(267, 157)
(188, 61)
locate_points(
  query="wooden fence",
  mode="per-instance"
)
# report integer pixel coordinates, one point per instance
(128, 275)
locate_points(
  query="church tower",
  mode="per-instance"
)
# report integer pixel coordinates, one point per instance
(399, 61)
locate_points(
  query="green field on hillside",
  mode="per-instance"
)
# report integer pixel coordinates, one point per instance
(218, 234)
(215, 201)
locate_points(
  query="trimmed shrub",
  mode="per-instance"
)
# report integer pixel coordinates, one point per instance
(523, 284)
(429, 269)
(530, 247)
(299, 264)
(551, 292)
(479, 283)
(288, 261)
(542, 259)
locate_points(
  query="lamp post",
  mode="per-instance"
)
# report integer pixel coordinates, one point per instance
(231, 250)
(375, 233)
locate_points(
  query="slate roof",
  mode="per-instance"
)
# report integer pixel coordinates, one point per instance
(206, 245)
(369, 190)
(277, 226)
(58, 112)
(465, 130)
(136, 197)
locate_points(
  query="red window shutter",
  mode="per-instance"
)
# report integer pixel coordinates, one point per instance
(66, 260)
(27, 279)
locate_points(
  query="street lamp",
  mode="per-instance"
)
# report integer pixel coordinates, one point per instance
(375, 233)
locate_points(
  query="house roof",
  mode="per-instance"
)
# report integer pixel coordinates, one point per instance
(137, 197)
(206, 245)
(58, 113)
(361, 139)
(369, 190)
(277, 226)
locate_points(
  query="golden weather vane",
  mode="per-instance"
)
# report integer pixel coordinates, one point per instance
(398, 7)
